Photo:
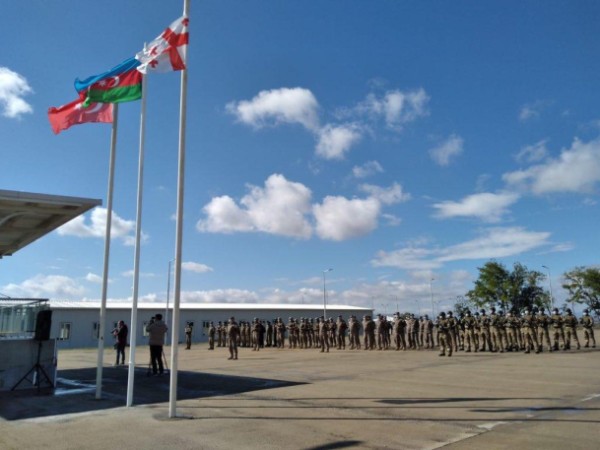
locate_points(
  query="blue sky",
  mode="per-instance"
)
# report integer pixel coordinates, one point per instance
(402, 144)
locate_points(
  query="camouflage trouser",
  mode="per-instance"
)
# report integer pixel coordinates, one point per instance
(280, 340)
(324, 340)
(445, 343)
(571, 332)
(484, 339)
(543, 335)
(511, 334)
(530, 340)
(470, 339)
(429, 339)
(453, 340)
(496, 339)
(588, 334)
(558, 333)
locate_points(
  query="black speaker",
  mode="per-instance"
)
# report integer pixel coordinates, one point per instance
(43, 324)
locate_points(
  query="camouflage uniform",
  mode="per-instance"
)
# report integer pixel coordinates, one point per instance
(543, 324)
(446, 343)
(557, 329)
(570, 325)
(528, 330)
(588, 329)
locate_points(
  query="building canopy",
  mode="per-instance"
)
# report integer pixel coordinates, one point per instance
(26, 217)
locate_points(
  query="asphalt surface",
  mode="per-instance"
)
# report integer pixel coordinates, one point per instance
(303, 399)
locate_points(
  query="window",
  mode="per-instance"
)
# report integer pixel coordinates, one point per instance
(95, 330)
(144, 332)
(64, 331)
(205, 324)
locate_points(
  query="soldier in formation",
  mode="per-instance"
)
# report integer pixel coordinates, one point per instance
(479, 332)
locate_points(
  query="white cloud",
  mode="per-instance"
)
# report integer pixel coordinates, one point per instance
(220, 296)
(492, 243)
(407, 258)
(93, 278)
(284, 105)
(120, 228)
(130, 273)
(335, 141)
(278, 208)
(397, 108)
(283, 208)
(533, 153)
(367, 169)
(496, 243)
(339, 219)
(387, 196)
(576, 170)
(12, 88)
(196, 267)
(485, 206)
(45, 286)
(450, 148)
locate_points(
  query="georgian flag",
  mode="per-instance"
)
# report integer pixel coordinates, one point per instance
(167, 52)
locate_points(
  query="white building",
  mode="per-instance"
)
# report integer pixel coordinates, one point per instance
(75, 324)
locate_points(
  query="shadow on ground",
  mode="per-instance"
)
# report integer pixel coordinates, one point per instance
(76, 391)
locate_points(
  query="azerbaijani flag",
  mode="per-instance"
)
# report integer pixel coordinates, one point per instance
(123, 83)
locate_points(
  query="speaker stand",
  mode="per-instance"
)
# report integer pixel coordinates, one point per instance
(38, 372)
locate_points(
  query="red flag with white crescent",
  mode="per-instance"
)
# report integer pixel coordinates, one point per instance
(75, 113)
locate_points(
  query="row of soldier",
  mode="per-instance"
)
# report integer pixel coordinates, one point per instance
(495, 332)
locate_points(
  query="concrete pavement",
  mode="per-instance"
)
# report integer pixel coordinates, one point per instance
(303, 399)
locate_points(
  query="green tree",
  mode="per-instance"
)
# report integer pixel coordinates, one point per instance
(516, 289)
(583, 286)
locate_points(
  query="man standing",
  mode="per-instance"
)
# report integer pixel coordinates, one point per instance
(588, 329)
(570, 325)
(189, 328)
(446, 343)
(156, 339)
(120, 333)
(211, 336)
(233, 333)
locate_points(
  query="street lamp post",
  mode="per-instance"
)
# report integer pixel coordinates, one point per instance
(550, 282)
(325, 294)
(431, 292)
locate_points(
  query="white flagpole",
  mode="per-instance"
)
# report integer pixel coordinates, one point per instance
(109, 208)
(136, 261)
(179, 232)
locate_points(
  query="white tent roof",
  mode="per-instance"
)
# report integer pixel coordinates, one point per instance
(55, 304)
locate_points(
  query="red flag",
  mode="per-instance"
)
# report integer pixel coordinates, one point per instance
(74, 113)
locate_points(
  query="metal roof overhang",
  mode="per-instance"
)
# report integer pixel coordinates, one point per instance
(26, 217)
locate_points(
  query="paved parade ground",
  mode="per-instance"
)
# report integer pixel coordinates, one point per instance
(303, 399)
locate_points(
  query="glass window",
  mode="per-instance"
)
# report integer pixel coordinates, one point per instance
(144, 332)
(64, 332)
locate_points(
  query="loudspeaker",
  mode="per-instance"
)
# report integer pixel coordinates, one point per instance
(43, 324)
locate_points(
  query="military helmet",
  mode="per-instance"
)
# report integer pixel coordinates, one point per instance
(482, 311)
(568, 311)
(442, 314)
(450, 313)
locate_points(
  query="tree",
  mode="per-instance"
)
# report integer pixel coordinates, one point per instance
(462, 305)
(583, 286)
(515, 290)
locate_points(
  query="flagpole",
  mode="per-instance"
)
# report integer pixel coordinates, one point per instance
(136, 262)
(109, 208)
(179, 231)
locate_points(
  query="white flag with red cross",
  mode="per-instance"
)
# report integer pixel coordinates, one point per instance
(167, 52)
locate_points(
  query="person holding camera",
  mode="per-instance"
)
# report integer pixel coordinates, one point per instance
(120, 333)
(156, 329)
(189, 328)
